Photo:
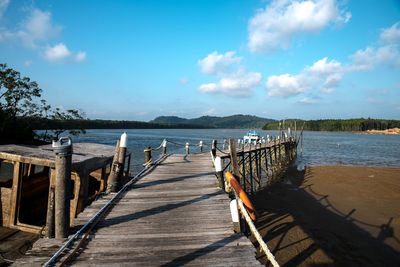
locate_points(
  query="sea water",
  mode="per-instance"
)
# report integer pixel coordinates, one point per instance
(319, 148)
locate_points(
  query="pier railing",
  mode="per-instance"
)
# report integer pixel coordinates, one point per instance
(257, 165)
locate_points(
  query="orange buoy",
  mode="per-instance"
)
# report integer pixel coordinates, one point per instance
(242, 195)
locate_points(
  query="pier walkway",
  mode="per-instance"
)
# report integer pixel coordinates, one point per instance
(174, 215)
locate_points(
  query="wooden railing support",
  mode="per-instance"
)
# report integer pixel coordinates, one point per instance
(214, 148)
(164, 147)
(112, 178)
(147, 156)
(218, 170)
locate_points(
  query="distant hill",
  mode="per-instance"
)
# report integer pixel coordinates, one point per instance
(235, 121)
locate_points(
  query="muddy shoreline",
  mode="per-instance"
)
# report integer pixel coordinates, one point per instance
(332, 215)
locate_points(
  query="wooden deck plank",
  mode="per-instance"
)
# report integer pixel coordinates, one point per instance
(175, 215)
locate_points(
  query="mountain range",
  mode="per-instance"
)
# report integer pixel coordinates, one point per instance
(234, 121)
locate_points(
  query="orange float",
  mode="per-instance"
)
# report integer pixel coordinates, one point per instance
(242, 195)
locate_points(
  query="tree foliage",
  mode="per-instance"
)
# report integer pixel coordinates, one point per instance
(21, 105)
(360, 124)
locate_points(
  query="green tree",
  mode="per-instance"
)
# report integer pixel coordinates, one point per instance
(20, 106)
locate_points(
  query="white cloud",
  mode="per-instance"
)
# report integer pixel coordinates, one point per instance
(211, 111)
(57, 52)
(323, 75)
(370, 57)
(307, 101)
(38, 27)
(28, 63)
(216, 63)
(322, 67)
(277, 24)
(3, 6)
(331, 82)
(391, 35)
(284, 85)
(238, 83)
(35, 31)
(80, 56)
(184, 80)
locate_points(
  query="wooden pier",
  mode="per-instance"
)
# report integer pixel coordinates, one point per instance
(174, 215)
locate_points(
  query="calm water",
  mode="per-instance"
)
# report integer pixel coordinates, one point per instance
(319, 148)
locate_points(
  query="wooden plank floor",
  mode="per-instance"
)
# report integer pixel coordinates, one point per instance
(173, 216)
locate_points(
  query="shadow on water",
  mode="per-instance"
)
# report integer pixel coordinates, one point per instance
(301, 230)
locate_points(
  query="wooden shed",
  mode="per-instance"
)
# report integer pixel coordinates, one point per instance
(28, 172)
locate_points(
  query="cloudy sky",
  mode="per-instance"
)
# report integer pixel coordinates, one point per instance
(136, 60)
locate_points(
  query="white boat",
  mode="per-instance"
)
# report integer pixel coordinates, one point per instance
(251, 137)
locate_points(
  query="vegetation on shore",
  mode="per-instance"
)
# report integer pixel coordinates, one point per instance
(349, 125)
(21, 105)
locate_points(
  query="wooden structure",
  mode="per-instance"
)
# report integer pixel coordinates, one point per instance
(258, 166)
(175, 215)
(27, 176)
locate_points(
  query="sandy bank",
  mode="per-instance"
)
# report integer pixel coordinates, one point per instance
(333, 215)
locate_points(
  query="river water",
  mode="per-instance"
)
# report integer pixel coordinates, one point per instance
(319, 148)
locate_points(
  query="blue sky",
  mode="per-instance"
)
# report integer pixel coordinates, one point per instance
(136, 60)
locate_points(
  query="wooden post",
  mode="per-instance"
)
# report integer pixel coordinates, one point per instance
(234, 159)
(301, 143)
(201, 146)
(50, 214)
(63, 152)
(295, 130)
(121, 159)
(218, 169)
(224, 145)
(164, 147)
(112, 178)
(147, 156)
(214, 148)
(235, 170)
(250, 172)
(187, 149)
(117, 169)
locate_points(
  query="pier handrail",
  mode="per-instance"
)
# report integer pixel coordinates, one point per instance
(259, 165)
(255, 232)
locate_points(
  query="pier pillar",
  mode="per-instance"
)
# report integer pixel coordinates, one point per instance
(121, 159)
(63, 152)
(117, 168)
(164, 147)
(201, 147)
(187, 149)
(147, 156)
(218, 169)
(214, 148)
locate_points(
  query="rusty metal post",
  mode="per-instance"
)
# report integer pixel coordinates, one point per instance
(63, 152)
